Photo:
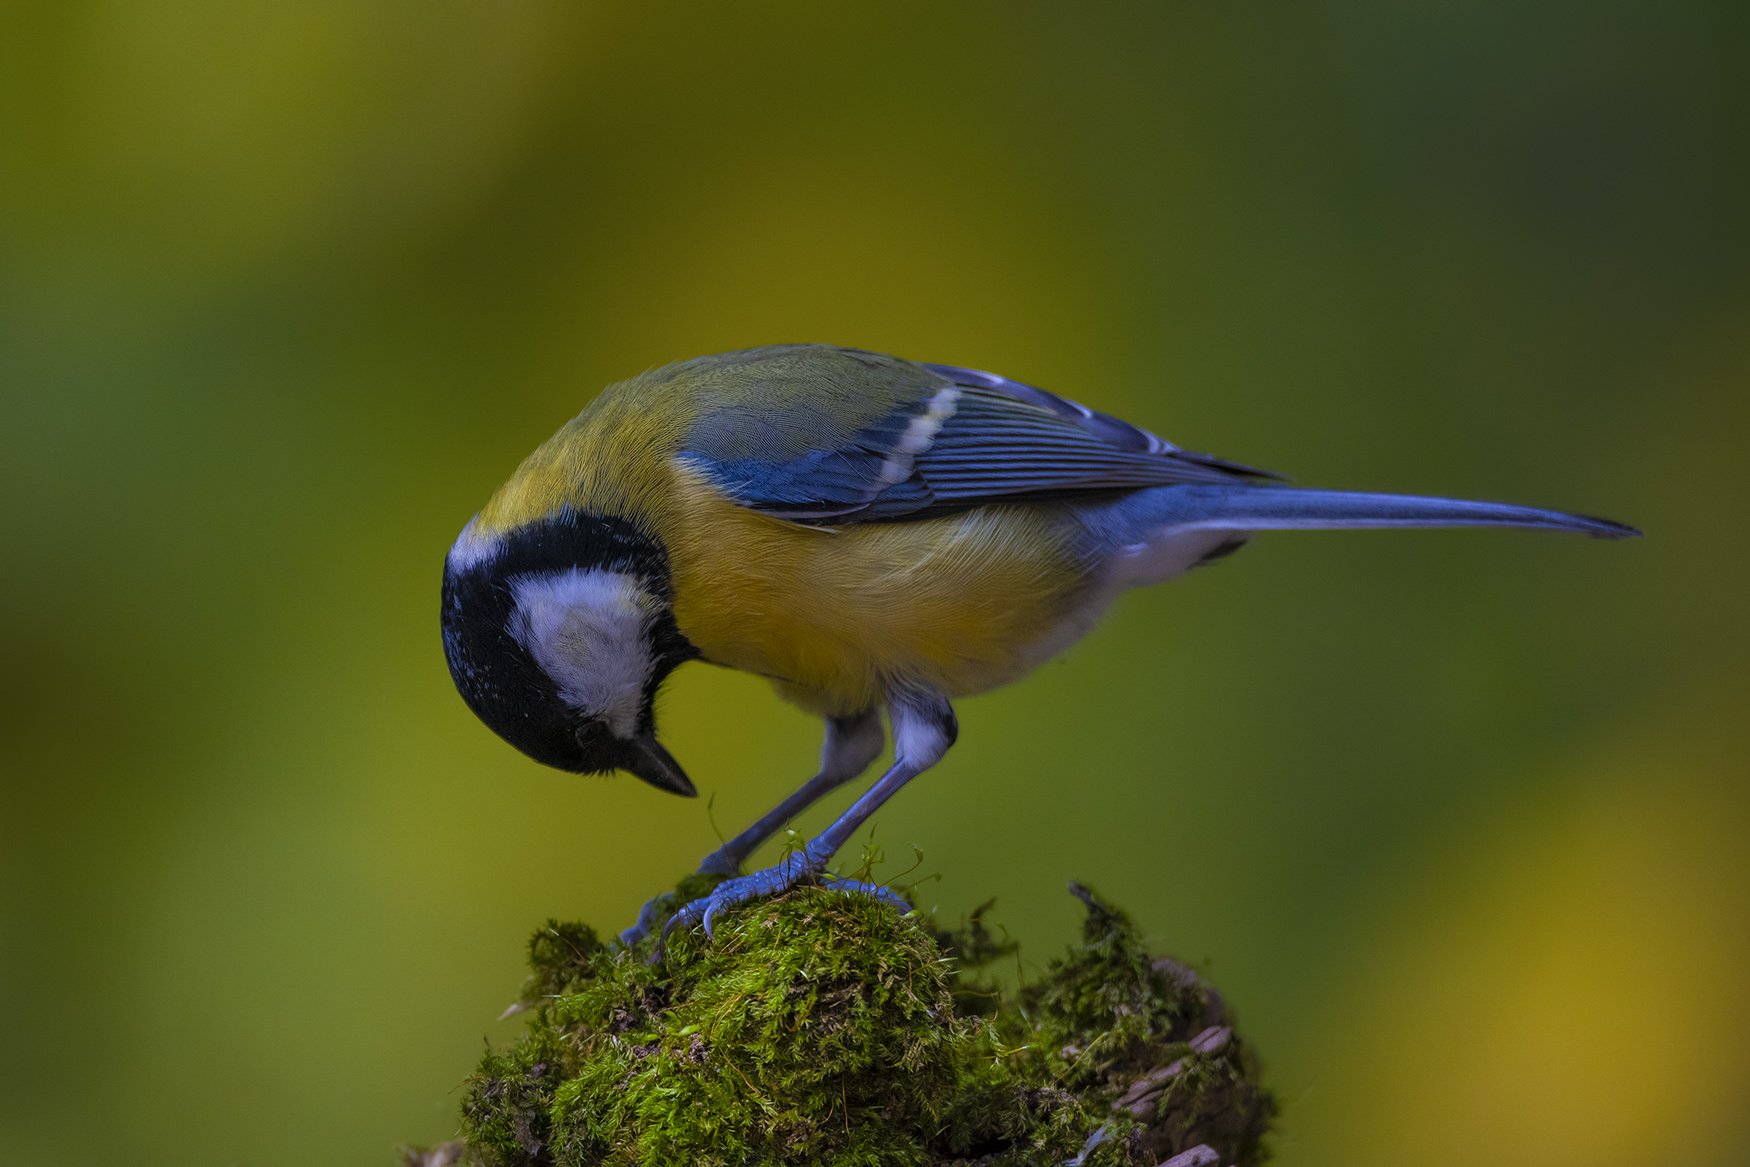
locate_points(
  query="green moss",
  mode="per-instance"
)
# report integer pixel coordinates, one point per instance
(824, 1029)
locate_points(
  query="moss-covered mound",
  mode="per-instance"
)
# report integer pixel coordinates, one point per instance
(823, 1028)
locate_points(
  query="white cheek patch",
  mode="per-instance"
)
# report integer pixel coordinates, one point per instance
(589, 630)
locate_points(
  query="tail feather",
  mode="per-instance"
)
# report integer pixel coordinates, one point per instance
(1276, 508)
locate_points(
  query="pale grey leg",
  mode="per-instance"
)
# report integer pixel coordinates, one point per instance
(923, 729)
(851, 744)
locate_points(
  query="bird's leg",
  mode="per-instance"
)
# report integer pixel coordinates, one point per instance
(851, 743)
(923, 729)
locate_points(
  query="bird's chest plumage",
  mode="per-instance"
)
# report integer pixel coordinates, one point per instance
(961, 604)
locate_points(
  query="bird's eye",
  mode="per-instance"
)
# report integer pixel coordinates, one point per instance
(592, 735)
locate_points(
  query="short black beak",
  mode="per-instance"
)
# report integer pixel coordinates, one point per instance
(646, 758)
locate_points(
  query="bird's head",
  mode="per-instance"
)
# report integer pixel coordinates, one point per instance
(559, 634)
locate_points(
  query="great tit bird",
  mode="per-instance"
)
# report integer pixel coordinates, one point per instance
(867, 532)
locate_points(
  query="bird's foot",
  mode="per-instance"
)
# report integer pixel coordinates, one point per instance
(721, 862)
(804, 866)
(647, 917)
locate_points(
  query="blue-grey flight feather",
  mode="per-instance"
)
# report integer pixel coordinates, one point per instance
(932, 440)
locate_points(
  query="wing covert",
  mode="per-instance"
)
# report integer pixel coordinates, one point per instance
(969, 439)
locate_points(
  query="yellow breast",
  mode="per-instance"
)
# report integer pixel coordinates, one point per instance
(840, 615)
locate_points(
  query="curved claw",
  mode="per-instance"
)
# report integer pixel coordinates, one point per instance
(662, 941)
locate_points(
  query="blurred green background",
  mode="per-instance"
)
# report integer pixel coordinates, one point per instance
(1458, 819)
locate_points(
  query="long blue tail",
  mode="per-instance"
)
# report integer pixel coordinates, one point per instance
(1276, 508)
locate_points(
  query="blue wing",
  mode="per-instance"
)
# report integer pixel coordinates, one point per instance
(963, 440)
